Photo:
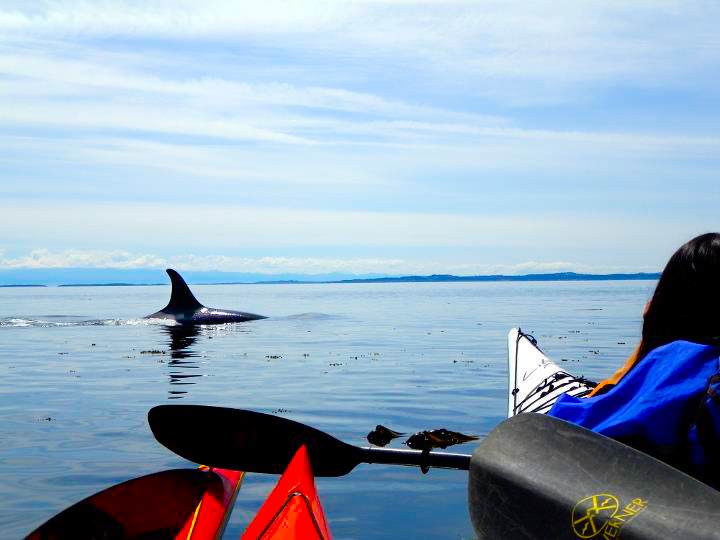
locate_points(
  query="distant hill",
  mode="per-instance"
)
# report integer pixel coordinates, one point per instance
(89, 277)
(560, 276)
(103, 285)
(145, 276)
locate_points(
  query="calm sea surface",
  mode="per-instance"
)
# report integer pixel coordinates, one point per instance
(80, 368)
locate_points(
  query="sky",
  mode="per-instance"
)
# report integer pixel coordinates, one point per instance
(393, 137)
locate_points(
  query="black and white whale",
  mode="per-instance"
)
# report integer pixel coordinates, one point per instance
(185, 309)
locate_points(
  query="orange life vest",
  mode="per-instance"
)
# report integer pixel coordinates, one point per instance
(619, 374)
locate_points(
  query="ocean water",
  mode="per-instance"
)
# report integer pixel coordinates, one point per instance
(80, 368)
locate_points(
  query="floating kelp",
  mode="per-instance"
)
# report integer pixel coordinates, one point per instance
(437, 438)
(381, 435)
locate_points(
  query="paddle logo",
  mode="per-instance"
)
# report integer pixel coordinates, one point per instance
(602, 516)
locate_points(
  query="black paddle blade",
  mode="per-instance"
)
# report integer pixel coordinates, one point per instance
(537, 477)
(246, 440)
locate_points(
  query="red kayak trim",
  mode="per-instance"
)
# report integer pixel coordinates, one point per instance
(293, 509)
(214, 509)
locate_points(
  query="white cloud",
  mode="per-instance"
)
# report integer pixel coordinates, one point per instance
(221, 18)
(59, 73)
(74, 258)
(60, 81)
(109, 94)
(113, 95)
(541, 40)
(266, 108)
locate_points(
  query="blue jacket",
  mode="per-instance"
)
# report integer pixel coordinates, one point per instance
(667, 405)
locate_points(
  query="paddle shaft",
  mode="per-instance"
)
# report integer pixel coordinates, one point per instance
(399, 456)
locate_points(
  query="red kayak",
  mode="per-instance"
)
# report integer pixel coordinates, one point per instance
(187, 504)
(292, 510)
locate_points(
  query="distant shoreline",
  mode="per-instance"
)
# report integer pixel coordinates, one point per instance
(109, 284)
(435, 278)
(561, 276)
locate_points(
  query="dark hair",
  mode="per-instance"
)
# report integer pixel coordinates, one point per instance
(686, 302)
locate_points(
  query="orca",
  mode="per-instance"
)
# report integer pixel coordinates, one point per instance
(185, 309)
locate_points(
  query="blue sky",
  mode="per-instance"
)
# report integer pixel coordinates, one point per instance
(392, 136)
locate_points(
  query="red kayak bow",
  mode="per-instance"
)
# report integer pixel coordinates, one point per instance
(183, 504)
(292, 510)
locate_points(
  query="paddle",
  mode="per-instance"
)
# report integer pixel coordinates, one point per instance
(533, 477)
(256, 442)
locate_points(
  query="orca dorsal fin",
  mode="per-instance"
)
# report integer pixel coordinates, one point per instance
(181, 299)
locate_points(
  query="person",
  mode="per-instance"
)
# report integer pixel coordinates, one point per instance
(665, 401)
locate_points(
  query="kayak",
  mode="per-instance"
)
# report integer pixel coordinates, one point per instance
(293, 509)
(534, 381)
(187, 504)
(536, 476)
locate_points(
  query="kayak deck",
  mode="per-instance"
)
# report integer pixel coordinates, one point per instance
(293, 509)
(176, 504)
